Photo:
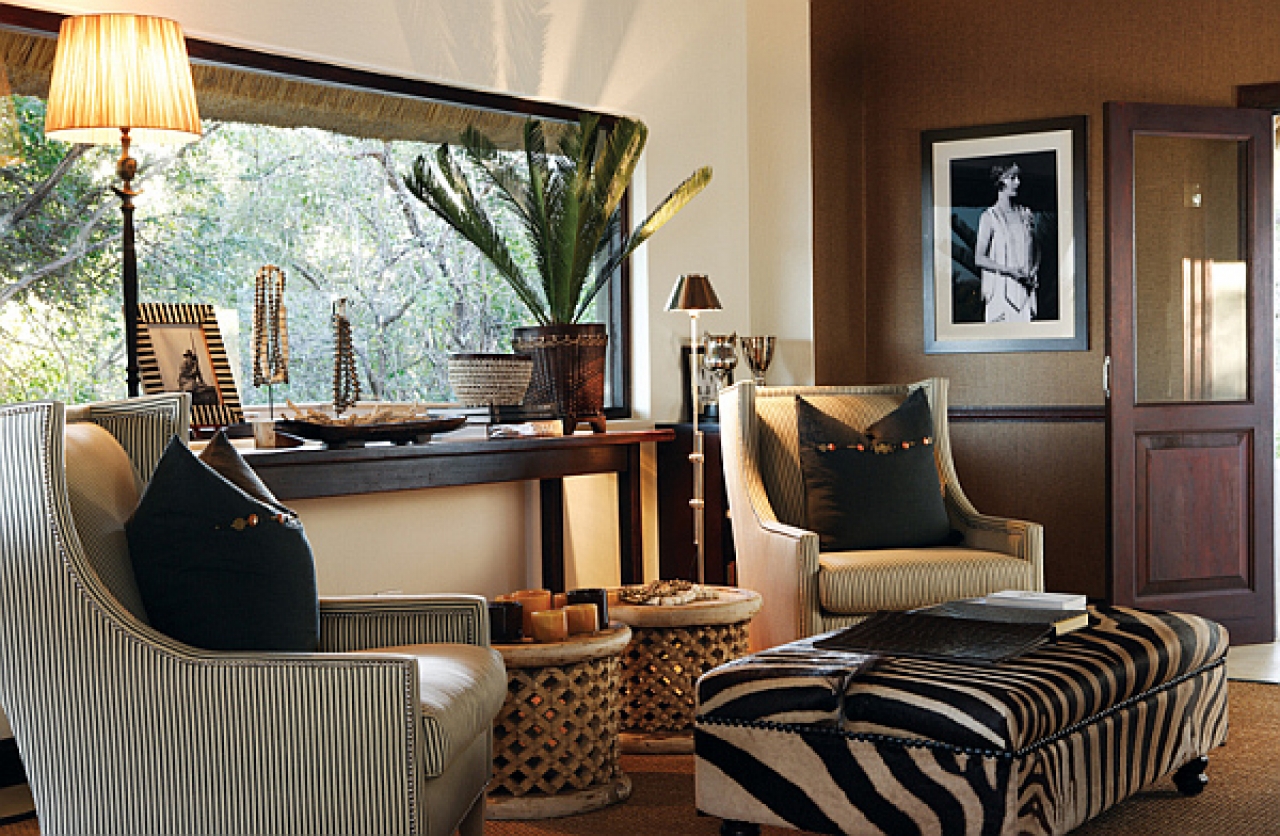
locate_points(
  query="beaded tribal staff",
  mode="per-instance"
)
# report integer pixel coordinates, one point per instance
(346, 384)
(270, 332)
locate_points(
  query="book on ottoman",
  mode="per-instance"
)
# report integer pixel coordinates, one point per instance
(928, 636)
(980, 609)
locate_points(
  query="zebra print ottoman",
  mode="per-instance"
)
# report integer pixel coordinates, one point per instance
(842, 743)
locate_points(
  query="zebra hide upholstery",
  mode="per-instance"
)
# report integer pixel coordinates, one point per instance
(844, 743)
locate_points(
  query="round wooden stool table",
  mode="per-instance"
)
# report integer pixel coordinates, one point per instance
(671, 646)
(555, 742)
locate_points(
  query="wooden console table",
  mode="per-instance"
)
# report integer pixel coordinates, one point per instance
(310, 472)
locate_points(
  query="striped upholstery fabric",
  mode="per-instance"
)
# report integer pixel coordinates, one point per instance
(123, 730)
(461, 688)
(1036, 745)
(860, 582)
(361, 622)
(809, 592)
(143, 426)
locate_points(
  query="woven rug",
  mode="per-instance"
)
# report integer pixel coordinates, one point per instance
(1242, 799)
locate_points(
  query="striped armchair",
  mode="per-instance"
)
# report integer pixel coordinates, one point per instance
(387, 729)
(807, 592)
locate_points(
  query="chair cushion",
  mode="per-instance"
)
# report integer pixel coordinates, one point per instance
(103, 491)
(461, 688)
(877, 489)
(899, 579)
(218, 568)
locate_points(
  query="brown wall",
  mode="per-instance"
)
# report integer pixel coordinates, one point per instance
(884, 72)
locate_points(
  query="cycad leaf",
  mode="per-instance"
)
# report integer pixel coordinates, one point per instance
(665, 211)
(450, 197)
(567, 202)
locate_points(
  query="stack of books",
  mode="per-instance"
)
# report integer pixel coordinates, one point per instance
(1064, 612)
(994, 628)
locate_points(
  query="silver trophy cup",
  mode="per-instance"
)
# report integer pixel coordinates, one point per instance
(759, 354)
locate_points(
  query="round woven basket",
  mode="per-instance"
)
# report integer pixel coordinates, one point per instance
(489, 379)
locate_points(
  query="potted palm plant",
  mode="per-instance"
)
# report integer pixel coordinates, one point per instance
(566, 196)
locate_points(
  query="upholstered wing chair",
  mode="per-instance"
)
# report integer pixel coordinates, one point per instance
(807, 592)
(386, 729)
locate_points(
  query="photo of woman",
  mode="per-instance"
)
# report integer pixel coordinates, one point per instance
(1006, 252)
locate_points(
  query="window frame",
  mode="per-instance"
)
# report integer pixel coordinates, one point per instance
(617, 294)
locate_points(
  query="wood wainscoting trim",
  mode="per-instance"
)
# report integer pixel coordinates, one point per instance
(1028, 414)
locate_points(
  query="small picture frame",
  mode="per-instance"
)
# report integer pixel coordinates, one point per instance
(180, 349)
(1004, 237)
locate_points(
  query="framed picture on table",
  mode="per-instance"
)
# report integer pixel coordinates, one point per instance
(1004, 237)
(180, 349)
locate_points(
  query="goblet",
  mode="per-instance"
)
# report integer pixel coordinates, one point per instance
(759, 354)
(721, 358)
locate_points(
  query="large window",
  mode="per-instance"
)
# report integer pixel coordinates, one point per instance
(299, 167)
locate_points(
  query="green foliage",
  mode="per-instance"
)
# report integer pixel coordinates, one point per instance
(567, 201)
(330, 210)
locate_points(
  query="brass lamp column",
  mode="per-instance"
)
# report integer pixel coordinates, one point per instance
(693, 294)
(126, 77)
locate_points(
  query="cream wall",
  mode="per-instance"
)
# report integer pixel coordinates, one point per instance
(719, 82)
(781, 184)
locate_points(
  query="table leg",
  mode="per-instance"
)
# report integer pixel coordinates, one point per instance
(552, 502)
(630, 526)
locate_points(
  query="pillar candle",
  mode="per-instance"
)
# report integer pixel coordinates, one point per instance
(550, 625)
(582, 618)
(599, 597)
(506, 622)
(533, 600)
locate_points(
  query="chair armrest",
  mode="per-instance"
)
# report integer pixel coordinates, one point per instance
(778, 560)
(1018, 538)
(367, 621)
(781, 562)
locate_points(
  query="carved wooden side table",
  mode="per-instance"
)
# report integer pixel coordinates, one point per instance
(555, 742)
(671, 646)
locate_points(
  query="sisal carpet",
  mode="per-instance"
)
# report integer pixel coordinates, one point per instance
(1242, 799)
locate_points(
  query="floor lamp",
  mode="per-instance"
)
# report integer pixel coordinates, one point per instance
(694, 294)
(122, 77)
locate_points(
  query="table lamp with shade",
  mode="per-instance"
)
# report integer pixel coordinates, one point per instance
(694, 294)
(121, 78)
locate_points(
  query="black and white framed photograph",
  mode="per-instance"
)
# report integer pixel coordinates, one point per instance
(1004, 237)
(180, 349)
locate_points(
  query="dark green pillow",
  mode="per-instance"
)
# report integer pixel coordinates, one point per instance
(872, 490)
(218, 567)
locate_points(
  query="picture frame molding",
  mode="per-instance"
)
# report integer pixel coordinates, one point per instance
(228, 411)
(997, 337)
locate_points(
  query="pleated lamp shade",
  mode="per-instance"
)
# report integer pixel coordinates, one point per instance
(117, 71)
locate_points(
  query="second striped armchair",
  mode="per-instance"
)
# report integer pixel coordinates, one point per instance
(807, 592)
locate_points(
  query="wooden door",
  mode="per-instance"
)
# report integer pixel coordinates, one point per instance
(1190, 449)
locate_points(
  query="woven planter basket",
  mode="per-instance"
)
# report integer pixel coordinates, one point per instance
(489, 379)
(568, 370)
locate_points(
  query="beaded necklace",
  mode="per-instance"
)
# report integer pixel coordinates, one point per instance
(270, 329)
(346, 384)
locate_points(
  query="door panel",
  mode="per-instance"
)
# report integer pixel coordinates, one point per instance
(1189, 336)
(1193, 539)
